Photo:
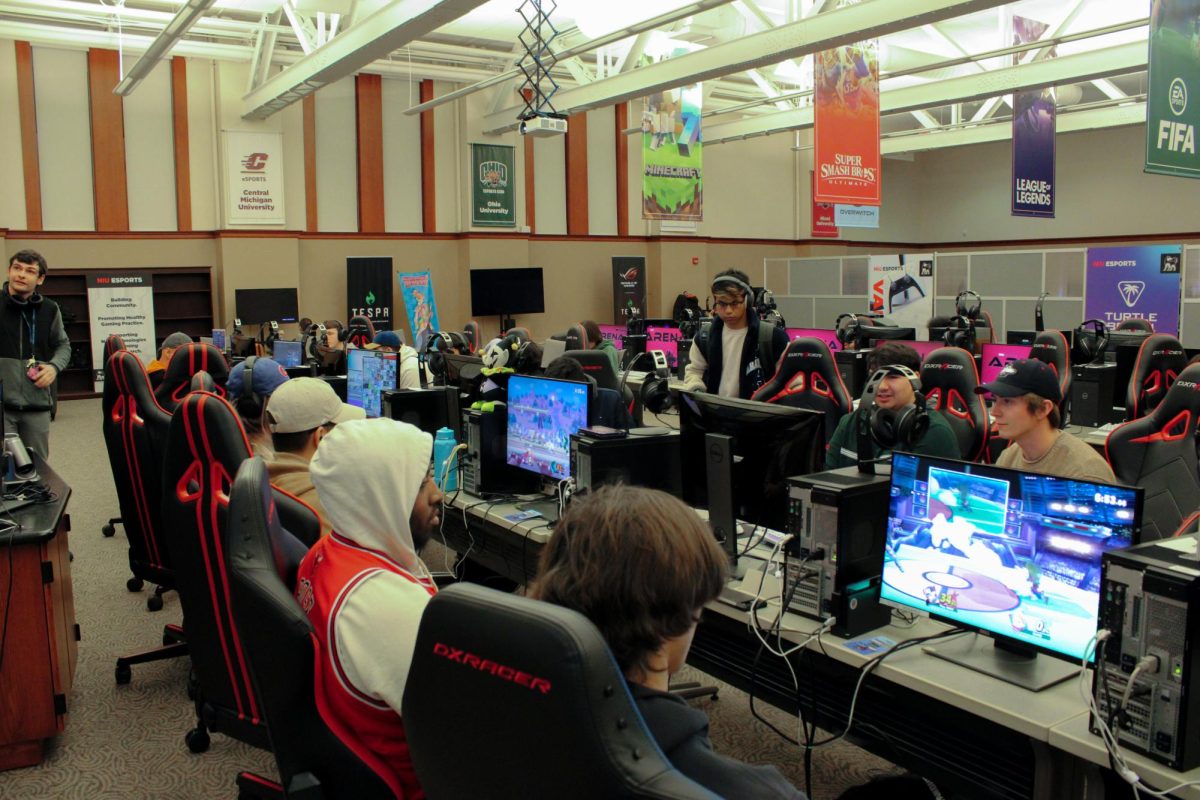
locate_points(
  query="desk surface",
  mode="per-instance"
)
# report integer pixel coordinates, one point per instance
(1073, 736)
(39, 522)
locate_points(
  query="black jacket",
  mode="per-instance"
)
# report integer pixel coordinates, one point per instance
(30, 329)
(752, 373)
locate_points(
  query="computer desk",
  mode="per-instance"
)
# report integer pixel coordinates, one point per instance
(1074, 739)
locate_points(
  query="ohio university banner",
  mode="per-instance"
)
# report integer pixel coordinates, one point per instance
(492, 197)
(846, 125)
(369, 290)
(1135, 282)
(672, 157)
(1173, 105)
(1033, 128)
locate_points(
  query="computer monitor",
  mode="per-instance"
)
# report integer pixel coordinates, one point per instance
(288, 354)
(542, 415)
(829, 337)
(428, 409)
(496, 292)
(462, 368)
(867, 333)
(369, 373)
(242, 347)
(219, 340)
(1119, 339)
(995, 356)
(551, 349)
(666, 339)
(266, 305)
(614, 333)
(1020, 337)
(1013, 555)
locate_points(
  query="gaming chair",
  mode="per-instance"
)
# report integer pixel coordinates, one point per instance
(1160, 359)
(1053, 348)
(474, 335)
(360, 331)
(111, 345)
(576, 337)
(187, 361)
(806, 376)
(1158, 453)
(555, 674)
(1136, 324)
(313, 752)
(203, 382)
(949, 378)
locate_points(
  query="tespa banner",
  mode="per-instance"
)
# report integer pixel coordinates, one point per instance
(1033, 127)
(901, 288)
(254, 177)
(672, 157)
(369, 290)
(846, 125)
(492, 189)
(823, 224)
(1173, 105)
(1135, 282)
(417, 290)
(629, 288)
(121, 303)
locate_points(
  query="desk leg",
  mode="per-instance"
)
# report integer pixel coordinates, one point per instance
(1058, 774)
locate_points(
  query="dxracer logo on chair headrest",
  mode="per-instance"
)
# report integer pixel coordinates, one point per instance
(510, 674)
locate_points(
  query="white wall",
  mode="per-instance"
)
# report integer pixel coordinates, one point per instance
(64, 124)
(401, 157)
(550, 184)
(337, 153)
(202, 144)
(602, 172)
(150, 153)
(12, 170)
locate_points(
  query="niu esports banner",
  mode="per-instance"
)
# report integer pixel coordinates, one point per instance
(254, 177)
(901, 288)
(492, 191)
(1173, 105)
(846, 125)
(121, 303)
(1033, 127)
(629, 288)
(369, 290)
(1135, 282)
(672, 157)
(417, 290)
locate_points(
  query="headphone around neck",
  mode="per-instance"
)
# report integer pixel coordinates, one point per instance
(249, 404)
(897, 427)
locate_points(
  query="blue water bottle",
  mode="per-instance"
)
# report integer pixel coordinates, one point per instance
(443, 444)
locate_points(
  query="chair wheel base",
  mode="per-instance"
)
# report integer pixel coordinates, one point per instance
(109, 531)
(134, 584)
(197, 740)
(154, 602)
(123, 674)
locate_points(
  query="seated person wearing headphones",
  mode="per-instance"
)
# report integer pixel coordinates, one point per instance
(408, 375)
(596, 341)
(895, 392)
(156, 370)
(249, 385)
(607, 409)
(1026, 411)
(299, 414)
(741, 351)
(363, 586)
(671, 566)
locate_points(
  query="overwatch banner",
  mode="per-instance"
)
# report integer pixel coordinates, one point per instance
(417, 290)
(1173, 106)
(1033, 128)
(629, 288)
(492, 191)
(846, 125)
(121, 303)
(672, 157)
(901, 288)
(369, 290)
(1135, 282)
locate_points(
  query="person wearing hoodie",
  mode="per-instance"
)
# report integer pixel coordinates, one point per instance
(596, 341)
(363, 586)
(667, 566)
(34, 349)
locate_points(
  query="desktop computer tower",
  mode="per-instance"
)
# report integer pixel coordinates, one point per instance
(1092, 395)
(484, 468)
(428, 409)
(1150, 601)
(852, 366)
(838, 519)
(649, 461)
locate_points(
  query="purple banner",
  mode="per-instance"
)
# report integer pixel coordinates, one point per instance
(1135, 282)
(1032, 138)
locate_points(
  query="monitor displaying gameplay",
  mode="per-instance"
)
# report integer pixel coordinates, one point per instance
(829, 337)
(542, 415)
(288, 354)
(219, 340)
(995, 356)
(1011, 553)
(369, 373)
(665, 339)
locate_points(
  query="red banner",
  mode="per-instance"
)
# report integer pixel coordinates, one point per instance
(823, 226)
(846, 125)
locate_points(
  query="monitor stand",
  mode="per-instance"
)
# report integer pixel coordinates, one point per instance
(1010, 663)
(546, 509)
(722, 514)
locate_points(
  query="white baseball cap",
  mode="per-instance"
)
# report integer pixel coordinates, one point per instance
(303, 404)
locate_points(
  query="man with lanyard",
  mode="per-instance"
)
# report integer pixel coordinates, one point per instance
(34, 349)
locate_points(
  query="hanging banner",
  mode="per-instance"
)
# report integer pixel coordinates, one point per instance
(629, 288)
(901, 288)
(493, 202)
(1135, 283)
(1173, 104)
(121, 303)
(823, 224)
(254, 177)
(1033, 127)
(417, 290)
(845, 216)
(846, 125)
(672, 174)
(369, 290)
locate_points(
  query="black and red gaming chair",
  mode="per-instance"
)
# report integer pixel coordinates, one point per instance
(1053, 348)
(186, 362)
(806, 376)
(948, 379)
(1136, 324)
(576, 337)
(111, 345)
(1158, 453)
(474, 333)
(360, 331)
(1160, 359)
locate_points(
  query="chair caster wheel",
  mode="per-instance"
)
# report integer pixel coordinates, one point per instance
(109, 531)
(154, 602)
(124, 674)
(197, 740)
(134, 584)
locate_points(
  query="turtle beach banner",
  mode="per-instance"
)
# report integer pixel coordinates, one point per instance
(417, 290)
(629, 288)
(369, 290)
(846, 125)
(1033, 128)
(1135, 283)
(492, 188)
(672, 158)
(1173, 105)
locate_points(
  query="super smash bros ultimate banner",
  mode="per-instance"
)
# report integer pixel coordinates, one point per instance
(1135, 282)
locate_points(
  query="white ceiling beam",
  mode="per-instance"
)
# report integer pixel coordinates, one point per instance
(391, 27)
(927, 120)
(831, 29)
(264, 47)
(187, 16)
(1110, 89)
(300, 28)
(94, 13)
(1118, 60)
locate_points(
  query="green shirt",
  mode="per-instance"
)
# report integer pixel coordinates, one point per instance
(939, 441)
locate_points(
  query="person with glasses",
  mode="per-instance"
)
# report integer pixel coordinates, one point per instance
(34, 349)
(739, 353)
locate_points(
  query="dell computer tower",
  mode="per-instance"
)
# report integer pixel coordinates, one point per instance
(485, 469)
(634, 460)
(852, 366)
(1092, 395)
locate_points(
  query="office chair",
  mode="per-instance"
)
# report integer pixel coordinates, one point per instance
(1160, 359)
(316, 756)
(473, 332)
(541, 670)
(1052, 347)
(111, 345)
(576, 338)
(202, 382)
(187, 361)
(948, 379)
(1158, 453)
(360, 331)
(135, 433)
(806, 376)
(598, 366)
(1137, 324)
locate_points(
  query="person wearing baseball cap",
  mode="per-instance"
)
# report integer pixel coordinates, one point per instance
(298, 415)
(249, 392)
(157, 369)
(1026, 413)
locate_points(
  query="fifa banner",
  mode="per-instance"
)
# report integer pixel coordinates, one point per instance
(254, 178)
(629, 288)
(1135, 282)
(1033, 128)
(417, 290)
(121, 304)
(846, 125)
(369, 290)
(493, 202)
(672, 161)
(1173, 105)
(901, 288)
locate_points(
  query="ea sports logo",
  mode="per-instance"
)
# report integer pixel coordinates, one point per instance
(1177, 96)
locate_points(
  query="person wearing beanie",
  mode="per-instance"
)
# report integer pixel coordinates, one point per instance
(407, 374)
(249, 385)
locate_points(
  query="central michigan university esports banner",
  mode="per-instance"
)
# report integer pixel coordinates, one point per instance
(1135, 282)
(1033, 128)
(672, 157)
(1173, 105)
(846, 125)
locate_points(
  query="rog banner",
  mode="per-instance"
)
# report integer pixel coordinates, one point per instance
(672, 157)
(1141, 282)
(1033, 127)
(369, 290)
(1173, 105)
(629, 288)
(901, 288)
(846, 125)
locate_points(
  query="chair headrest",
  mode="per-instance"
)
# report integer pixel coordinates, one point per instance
(1183, 396)
(111, 345)
(1136, 324)
(474, 332)
(1052, 348)
(1160, 359)
(186, 362)
(950, 366)
(806, 366)
(598, 365)
(129, 378)
(206, 429)
(257, 543)
(203, 382)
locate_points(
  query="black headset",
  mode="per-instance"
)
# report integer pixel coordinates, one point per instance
(897, 427)
(968, 304)
(847, 327)
(1039, 319)
(656, 395)
(1091, 349)
(960, 333)
(249, 404)
(751, 295)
